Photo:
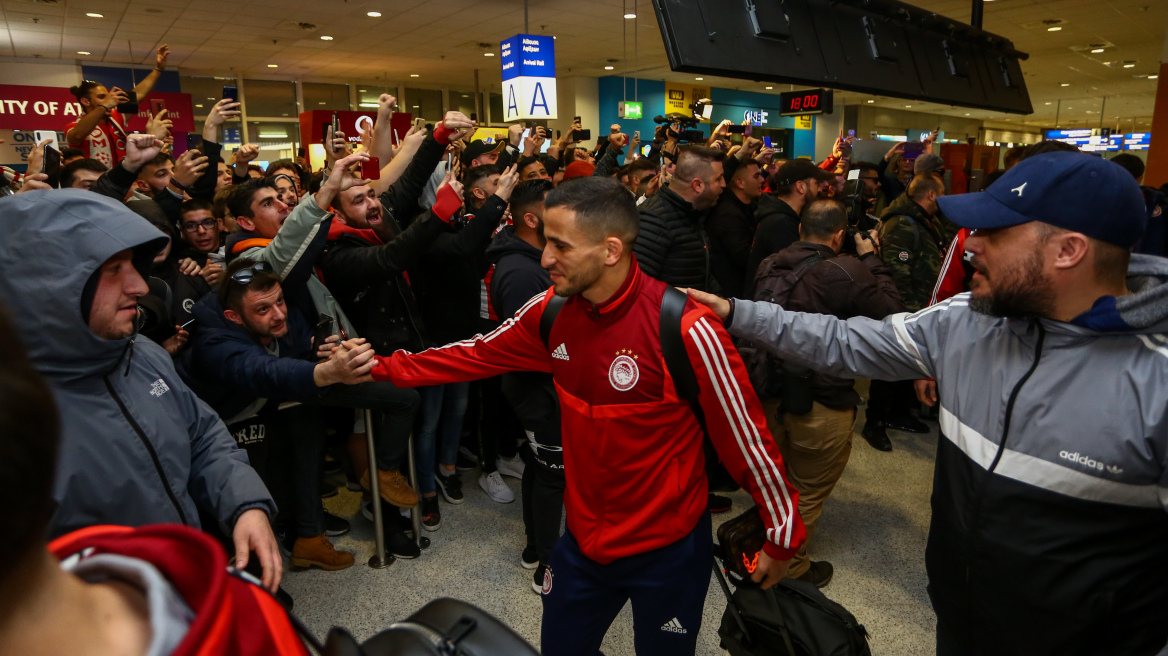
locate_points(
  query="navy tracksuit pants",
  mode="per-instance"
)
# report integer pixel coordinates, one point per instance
(667, 587)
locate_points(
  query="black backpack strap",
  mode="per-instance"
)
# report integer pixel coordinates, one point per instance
(672, 346)
(548, 318)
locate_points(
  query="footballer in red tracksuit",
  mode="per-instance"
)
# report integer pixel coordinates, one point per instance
(636, 486)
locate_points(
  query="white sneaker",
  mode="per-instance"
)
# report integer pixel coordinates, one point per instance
(495, 488)
(512, 467)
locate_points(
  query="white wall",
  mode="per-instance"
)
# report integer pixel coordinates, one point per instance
(577, 96)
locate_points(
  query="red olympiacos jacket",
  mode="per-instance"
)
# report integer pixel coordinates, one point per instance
(632, 449)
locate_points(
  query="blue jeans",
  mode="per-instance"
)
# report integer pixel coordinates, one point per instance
(443, 407)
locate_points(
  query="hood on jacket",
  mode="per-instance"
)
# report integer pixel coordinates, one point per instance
(1146, 307)
(507, 243)
(54, 242)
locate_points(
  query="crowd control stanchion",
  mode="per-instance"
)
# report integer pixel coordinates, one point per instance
(379, 559)
(416, 512)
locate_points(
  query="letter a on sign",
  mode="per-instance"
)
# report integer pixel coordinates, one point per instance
(512, 106)
(536, 96)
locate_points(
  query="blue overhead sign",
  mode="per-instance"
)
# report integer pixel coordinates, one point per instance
(526, 55)
(529, 77)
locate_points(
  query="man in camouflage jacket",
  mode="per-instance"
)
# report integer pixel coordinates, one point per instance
(913, 241)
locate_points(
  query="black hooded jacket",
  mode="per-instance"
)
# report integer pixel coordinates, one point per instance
(518, 273)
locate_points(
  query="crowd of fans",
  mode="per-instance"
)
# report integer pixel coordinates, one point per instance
(245, 289)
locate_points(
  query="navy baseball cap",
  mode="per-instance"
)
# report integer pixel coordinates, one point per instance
(1075, 191)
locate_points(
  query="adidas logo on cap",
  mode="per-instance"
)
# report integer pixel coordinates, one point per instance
(673, 626)
(561, 352)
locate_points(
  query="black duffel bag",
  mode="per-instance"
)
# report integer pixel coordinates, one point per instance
(443, 627)
(792, 618)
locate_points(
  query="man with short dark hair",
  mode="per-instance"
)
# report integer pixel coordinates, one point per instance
(816, 442)
(138, 446)
(154, 176)
(200, 230)
(532, 168)
(638, 527)
(673, 246)
(249, 352)
(794, 186)
(638, 171)
(81, 173)
(731, 228)
(479, 184)
(914, 245)
(1048, 533)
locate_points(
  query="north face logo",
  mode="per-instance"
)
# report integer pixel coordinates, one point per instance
(158, 388)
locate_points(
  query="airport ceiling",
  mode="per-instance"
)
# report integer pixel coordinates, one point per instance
(1102, 48)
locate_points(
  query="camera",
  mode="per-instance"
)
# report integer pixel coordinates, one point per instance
(859, 220)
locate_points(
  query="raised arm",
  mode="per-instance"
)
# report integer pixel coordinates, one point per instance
(513, 346)
(147, 84)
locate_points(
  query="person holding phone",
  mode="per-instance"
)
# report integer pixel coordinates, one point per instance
(101, 131)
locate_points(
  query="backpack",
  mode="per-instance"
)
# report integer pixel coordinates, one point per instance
(672, 345)
(772, 285)
(792, 618)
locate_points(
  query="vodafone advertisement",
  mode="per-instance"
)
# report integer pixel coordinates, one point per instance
(52, 108)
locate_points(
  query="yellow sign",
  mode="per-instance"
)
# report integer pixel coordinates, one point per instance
(803, 122)
(679, 97)
(490, 135)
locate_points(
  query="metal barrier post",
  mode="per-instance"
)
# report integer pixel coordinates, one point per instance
(379, 559)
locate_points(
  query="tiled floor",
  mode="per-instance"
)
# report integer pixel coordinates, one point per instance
(873, 530)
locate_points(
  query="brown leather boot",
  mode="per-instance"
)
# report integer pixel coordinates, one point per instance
(319, 552)
(393, 488)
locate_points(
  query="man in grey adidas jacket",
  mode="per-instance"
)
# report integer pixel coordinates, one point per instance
(1049, 533)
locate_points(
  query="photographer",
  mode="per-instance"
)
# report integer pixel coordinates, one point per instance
(812, 417)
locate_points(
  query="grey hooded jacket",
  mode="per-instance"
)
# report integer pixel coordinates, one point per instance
(137, 446)
(1049, 533)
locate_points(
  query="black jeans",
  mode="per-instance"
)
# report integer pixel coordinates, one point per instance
(495, 421)
(533, 397)
(394, 410)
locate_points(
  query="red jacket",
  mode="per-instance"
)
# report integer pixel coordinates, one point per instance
(232, 616)
(951, 280)
(632, 449)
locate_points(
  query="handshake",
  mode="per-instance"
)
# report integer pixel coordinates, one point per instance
(345, 363)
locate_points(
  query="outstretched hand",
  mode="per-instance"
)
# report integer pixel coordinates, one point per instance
(719, 305)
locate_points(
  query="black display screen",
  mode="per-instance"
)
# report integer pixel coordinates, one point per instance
(801, 103)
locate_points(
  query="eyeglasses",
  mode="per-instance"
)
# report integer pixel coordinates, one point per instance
(245, 276)
(205, 224)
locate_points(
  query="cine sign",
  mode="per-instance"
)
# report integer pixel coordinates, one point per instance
(799, 103)
(529, 77)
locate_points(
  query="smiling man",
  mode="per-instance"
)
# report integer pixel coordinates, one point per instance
(636, 495)
(1049, 533)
